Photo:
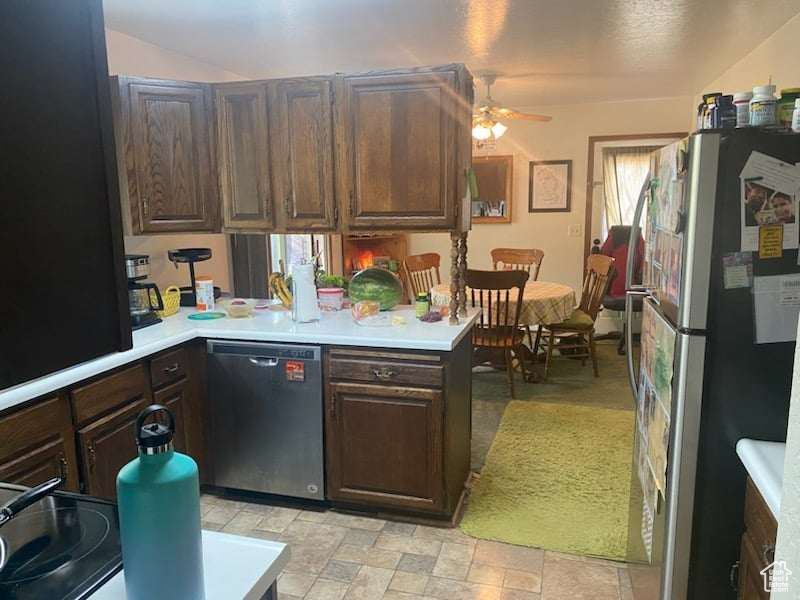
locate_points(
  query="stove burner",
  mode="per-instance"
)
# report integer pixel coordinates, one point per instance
(43, 542)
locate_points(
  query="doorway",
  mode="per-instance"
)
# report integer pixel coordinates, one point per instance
(616, 170)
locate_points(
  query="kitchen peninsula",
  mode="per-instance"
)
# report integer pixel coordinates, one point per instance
(399, 392)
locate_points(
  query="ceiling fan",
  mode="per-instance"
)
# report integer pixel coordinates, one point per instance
(486, 125)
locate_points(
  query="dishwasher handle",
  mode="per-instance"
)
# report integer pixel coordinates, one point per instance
(263, 361)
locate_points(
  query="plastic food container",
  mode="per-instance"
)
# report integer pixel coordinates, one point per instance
(330, 298)
(204, 293)
(238, 308)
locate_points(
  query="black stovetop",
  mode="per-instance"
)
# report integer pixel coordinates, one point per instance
(61, 548)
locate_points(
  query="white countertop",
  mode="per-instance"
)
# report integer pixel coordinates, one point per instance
(234, 567)
(265, 326)
(764, 464)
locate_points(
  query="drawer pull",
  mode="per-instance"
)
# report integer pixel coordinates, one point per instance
(768, 553)
(172, 368)
(92, 457)
(383, 373)
(63, 467)
(733, 576)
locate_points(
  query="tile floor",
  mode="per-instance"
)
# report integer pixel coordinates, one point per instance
(337, 556)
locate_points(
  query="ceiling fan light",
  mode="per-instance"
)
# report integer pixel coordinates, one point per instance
(498, 129)
(480, 132)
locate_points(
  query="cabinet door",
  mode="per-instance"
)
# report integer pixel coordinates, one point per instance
(175, 397)
(398, 149)
(107, 445)
(384, 445)
(38, 443)
(751, 582)
(242, 130)
(302, 152)
(172, 186)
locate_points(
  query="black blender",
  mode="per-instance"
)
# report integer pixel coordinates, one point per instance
(191, 256)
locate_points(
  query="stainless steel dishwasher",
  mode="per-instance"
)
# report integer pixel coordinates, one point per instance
(266, 417)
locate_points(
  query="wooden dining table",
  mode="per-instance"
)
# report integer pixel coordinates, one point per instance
(543, 302)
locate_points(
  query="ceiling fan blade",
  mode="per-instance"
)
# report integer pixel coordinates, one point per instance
(507, 113)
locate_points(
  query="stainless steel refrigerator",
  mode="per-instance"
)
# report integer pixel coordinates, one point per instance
(705, 373)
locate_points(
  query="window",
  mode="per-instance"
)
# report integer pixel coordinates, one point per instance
(292, 249)
(624, 172)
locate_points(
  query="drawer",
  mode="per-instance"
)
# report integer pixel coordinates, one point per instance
(168, 367)
(386, 370)
(111, 391)
(762, 528)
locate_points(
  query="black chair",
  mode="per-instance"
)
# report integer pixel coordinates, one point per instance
(616, 246)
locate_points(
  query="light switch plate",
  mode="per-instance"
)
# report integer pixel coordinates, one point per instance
(574, 230)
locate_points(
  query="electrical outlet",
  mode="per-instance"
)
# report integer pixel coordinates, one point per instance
(574, 230)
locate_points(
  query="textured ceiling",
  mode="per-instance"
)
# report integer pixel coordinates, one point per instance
(551, 52)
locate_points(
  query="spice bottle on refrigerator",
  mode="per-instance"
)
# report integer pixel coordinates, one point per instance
(741, 100)
(708, 111)
(786, 106)
(724, 112)
(763, 106)
(796, 116)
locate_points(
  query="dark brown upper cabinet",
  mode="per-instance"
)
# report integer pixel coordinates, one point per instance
(244, 166)
(401, 143)
(301, 124)
(164, 129)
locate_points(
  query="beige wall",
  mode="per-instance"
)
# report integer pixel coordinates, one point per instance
(565, 137)
(776, 57)
(130, 56)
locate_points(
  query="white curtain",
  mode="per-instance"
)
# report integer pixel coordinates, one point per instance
(624, 172)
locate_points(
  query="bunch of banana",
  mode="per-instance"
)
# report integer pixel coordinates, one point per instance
(281, 291)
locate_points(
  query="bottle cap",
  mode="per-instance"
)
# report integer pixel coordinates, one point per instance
(742, 96)
(154, 437)
(764, 90)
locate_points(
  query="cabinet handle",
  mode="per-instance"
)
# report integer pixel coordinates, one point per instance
(287, 204)
(352, 204)
(335, 216)
(383, 373)
(768, 553)
(63, 467)
(733, 576)
(145, 206)
(92, 457)
(172, 368)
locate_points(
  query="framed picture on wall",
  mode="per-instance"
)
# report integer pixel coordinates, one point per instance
(494, 179)
(550, 185)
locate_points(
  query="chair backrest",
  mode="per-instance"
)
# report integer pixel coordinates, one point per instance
(595, 283)
(520, 259)
(421, 272)
(495, 292)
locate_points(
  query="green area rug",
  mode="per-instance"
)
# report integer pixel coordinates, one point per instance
(557, 476)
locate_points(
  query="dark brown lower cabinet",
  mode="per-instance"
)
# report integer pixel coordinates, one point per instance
(398, 428)
(385, 445)
(107, 445)
(758, 545)
(105, 412)
(174, 397)
(36, 444)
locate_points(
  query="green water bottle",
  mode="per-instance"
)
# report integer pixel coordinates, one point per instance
(158, 494)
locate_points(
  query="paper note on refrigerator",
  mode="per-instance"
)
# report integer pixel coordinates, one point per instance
(776, 303)
(769, 196)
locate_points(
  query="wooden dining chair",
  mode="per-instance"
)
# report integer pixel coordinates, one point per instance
(499, 296)
(421, 273)
(522, 259)
(579, 327)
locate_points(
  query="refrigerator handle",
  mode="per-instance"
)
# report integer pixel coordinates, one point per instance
(630, 296)
(633, 241)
